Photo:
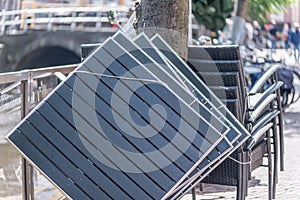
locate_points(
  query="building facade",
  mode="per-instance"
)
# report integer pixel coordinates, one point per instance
(290, 15)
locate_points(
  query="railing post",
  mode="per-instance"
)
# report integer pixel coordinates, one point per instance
(99, 22)
(73, 24)
(194, 196)
(25, 25)
(3, 23)
(27, 169)
(49, 25)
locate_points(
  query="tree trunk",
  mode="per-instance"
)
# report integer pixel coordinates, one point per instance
(168, 18)
(242, 8)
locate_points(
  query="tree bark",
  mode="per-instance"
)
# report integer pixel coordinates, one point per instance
(168, 18)
(242, 8)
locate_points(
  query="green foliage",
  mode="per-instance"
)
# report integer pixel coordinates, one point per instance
(212, 13)
(258, 9)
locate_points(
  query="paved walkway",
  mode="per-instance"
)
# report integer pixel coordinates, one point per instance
(288, 187)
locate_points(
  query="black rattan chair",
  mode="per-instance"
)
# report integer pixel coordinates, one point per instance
(220, 68)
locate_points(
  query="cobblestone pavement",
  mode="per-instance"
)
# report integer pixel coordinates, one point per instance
(288, 187)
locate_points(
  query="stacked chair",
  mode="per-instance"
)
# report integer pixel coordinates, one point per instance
(259, 110)
(135, 121)
(232, 92)
(267, 90)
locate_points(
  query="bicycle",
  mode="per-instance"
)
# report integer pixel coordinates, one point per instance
(292, 95)
(255, 66)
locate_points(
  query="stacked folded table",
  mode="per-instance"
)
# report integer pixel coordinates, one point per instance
(132, 121)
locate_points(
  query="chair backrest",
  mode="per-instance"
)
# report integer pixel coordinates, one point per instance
(87, 49)
(220, 67)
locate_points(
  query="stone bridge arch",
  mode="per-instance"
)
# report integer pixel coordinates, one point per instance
(48, 55)
(40, 48)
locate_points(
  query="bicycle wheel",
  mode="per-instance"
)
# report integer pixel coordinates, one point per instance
(296, 85)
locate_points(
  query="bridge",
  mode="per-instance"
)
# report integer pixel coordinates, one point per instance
(34, 38)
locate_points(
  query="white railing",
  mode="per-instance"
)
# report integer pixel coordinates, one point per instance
(69, 18)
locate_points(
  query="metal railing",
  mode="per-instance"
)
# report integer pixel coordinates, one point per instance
(69, 18)
(24, 80)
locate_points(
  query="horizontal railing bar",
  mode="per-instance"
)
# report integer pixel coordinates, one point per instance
(61, 20)
(10, 87)
(62, 10)
(45, 18)
(22, 75)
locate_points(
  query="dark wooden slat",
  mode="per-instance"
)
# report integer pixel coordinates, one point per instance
(183, 163)
(55, 156)
(144, 43)
(164, 75)
(63, 108)
(130, 63)
(138, 54)
(103, 101)
(223, 146)
(46, 166)
(108, 84)
(233, 134)
(117, 66)
(87, 94)
(143, 180)
(107, 81)
(136, 145)
(198, 85)
(168, 52)
(126, 59)
(62, 141)
(182, 66)
(225, 113)
(114, 63)
(148, 48)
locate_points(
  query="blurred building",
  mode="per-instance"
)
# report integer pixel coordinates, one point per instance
(291, 14)
(10, 4)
